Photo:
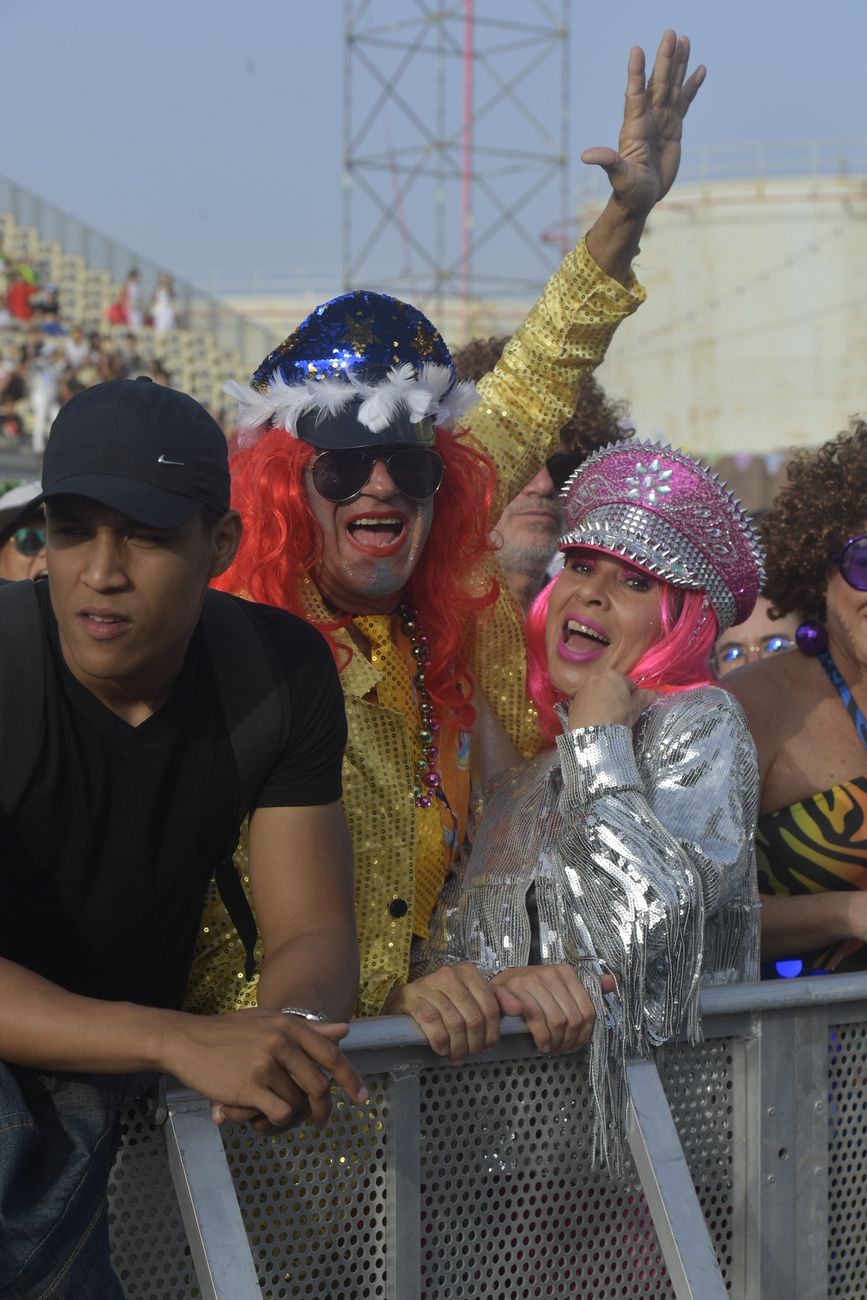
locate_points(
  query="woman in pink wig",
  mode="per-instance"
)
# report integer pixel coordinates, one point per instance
(625, 851)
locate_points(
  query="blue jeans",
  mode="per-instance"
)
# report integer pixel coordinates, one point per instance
(57, 1144)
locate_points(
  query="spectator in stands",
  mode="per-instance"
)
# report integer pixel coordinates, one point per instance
(12, 390)
(338, 484)
(69, 385)
(43, 378)
(22, 533)
(131, 297)
(46, 297)
(163, 306)
(158, 372)
(805, 712)
(526, 532)
(76, 347)
(129, 797)
(629, 847)
(18, 296)
(129, 363)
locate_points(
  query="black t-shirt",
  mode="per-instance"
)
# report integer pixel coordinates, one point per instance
(106, 862)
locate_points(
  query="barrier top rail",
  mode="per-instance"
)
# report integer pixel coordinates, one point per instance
(392, 1032)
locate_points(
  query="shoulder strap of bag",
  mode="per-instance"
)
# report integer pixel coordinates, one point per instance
(255, 701)
(22, 687)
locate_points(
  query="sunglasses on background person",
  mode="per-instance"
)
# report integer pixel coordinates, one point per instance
(340, 475)
(562, 465)
(28, 541)
(852, 562)
(733, 654)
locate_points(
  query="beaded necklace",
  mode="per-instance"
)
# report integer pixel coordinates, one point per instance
(428, 780)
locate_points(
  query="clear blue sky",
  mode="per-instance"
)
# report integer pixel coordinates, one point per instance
(207, 133)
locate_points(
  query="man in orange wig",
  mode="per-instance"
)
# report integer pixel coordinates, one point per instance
(367, 477)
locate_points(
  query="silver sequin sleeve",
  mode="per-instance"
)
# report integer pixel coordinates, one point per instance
(639, 848)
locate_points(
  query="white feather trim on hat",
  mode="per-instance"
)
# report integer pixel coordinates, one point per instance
(462, 398)
(254, 408)
(282, 404)
(381, 402)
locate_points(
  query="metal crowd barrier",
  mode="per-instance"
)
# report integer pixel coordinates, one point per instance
(746, 1173)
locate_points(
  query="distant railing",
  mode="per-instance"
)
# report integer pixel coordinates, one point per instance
(198, 310)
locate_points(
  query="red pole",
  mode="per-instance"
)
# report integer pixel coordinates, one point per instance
(467, 163)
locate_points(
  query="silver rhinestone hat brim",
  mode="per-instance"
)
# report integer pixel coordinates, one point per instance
(650, 542)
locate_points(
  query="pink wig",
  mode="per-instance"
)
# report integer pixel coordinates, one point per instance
(281, 548)
(677, 661)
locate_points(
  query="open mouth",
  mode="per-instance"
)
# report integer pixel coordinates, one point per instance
(578, 635)
(377, 532)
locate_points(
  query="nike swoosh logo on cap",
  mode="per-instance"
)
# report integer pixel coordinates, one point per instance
(161, 460)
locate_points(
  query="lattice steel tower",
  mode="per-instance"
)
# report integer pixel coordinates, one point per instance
(450, 169)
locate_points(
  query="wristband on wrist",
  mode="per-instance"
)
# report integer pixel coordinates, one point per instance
(305, 1014)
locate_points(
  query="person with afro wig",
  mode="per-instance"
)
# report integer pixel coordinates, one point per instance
(806, 712)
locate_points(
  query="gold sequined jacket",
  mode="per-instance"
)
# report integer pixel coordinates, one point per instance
(636, 851)
(523, 404)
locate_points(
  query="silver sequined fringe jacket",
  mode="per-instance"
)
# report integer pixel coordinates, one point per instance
(639, 846)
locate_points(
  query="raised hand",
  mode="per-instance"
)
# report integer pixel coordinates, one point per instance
(643, 167)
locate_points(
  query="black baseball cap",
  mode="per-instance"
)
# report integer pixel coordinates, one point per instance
(147, 451)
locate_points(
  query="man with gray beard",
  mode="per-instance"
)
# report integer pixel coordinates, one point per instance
(526, 532)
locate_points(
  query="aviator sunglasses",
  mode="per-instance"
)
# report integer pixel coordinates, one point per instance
(28, 541)
(340, 475)
(852, 562)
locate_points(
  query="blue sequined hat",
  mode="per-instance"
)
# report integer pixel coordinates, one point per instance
(361, 370)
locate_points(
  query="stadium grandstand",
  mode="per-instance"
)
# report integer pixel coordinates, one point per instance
(76, 308)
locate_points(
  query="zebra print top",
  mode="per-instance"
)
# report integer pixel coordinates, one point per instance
(815, 846)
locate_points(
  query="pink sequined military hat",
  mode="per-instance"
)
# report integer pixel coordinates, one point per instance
(670, 515)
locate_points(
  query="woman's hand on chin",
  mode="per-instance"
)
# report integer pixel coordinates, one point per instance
(608, 699)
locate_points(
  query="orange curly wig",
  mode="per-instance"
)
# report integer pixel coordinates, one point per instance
(281, 549)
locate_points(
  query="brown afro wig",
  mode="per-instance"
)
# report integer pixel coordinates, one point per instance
(822, 505)
(596, 421)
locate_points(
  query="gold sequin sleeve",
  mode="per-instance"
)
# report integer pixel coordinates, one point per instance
(524, 402)
(531, 392)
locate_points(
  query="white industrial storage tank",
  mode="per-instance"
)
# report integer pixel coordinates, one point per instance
(754, 335)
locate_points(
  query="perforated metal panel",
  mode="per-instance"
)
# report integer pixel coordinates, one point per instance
(149, 1246)
(699, 1087)
(510, 1207)
(315, 1205)
(847, 1161)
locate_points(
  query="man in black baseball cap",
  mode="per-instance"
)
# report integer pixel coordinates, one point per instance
(147, 451)
(131, 793)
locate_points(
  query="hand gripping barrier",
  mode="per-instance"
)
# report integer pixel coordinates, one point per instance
(746, 1173)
